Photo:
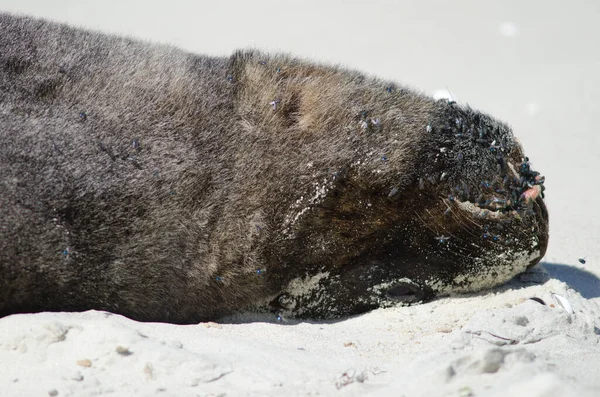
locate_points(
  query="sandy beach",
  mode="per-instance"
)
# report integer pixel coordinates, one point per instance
(533, 65)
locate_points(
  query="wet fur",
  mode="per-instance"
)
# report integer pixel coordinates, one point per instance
(169, 186)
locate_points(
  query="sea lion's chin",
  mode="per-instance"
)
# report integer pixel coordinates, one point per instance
(486, 247)
(469, 249)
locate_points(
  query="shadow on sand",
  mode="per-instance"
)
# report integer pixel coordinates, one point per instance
(588, 284)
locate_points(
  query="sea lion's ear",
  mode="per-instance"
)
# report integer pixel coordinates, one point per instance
(283, 92)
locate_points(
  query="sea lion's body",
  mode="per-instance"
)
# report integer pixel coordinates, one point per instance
(168, 186)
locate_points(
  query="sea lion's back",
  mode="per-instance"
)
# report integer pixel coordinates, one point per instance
(103, 141)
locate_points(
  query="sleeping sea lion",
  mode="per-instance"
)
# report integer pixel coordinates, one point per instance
(147, 181)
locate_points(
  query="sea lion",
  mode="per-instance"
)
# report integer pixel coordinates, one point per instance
(168, 186)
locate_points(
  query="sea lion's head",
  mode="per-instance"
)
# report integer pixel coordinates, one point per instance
(378, 194)
(468, 215)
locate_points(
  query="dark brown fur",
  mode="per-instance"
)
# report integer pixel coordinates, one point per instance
(168, 186)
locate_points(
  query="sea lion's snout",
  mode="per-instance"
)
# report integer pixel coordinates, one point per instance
(529, 187)
(479, 216)
(461, 213)
(496, 222)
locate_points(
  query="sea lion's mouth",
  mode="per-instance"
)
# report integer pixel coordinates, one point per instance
(514, 192)
(514, 197)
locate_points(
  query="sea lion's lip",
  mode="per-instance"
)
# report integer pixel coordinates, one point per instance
(478, 212)
(501, 213)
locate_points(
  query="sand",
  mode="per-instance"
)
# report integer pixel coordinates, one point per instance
(479, 345)
(530, 64)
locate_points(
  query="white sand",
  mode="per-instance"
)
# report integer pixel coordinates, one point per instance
(483, 345)
(532, 65)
